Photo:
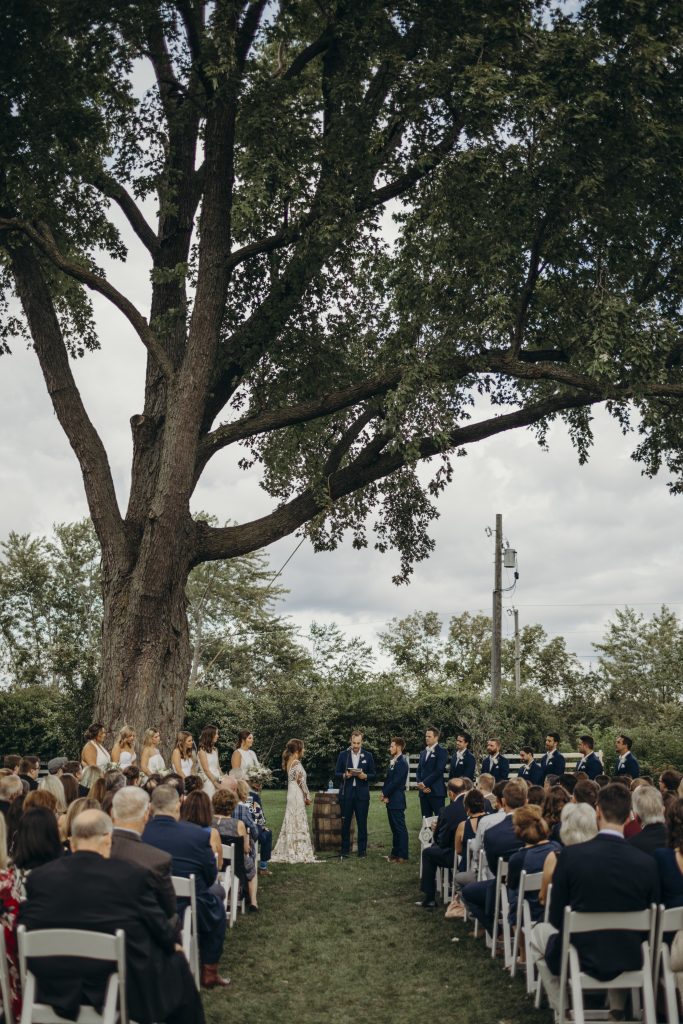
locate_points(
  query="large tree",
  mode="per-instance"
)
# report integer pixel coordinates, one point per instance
(531, 162)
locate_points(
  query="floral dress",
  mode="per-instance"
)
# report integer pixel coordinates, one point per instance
(9, 908)
(294, 842)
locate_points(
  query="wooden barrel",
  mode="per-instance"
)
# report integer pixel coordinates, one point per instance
(327, 822)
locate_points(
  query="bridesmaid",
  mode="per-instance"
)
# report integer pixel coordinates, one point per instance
(209, 767)
(94, 752)
(243, 757)
(123, 752)
(183, 757)
(151, 761)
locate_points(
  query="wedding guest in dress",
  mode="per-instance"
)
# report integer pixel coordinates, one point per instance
(197, 808)
(10, 789)
(294, 844)
(53, 784)
(243, 757)
(578, 824)
(41, 798)
(151, 761)
(552, 762)
(233, 831)
(209, 767)
(533, 831)
(555, 799)
(183, 758)
(66, 822)
(123, 753)
(356, 769)
(70, 787)
(393, 796)
(37, 842)
(429, 777)
(10, 895)
(94, 752)
(190, 849)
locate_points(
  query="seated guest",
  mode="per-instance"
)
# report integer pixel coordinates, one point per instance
(488, 821)
(132, 775)
(602, 781)
(265, 835)
(114, 780)
(190, 849)
(578, 824)
(41, 798)
(70, 787)
(533, 831)
(53, 784)
(90, 775)
(499, 843)
(494, 763)
(231, 830)
(475, 808)
(552, 762)
(90, 892)
(196, 807)
(130, 814)
(568, 780)
(586, 792)
(486, 783)
(37, 841)
(626, 763)
(550, 781)
(192, 783)
(75, 770)
(12, 762)
(10, 895)
(555, 799)
(536, 795)
(29, 768)
(669, 781)
(243, 810)
(670, 860)
(442, 853)
(98, 790)
(590, 762)
(10, 789)
(530, 770)
(605, 874)
(463, 763)
(648, 807)
(66, 822)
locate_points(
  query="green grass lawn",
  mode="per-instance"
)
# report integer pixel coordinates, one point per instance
(338, 939)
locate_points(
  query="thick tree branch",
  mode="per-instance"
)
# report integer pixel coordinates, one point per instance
(527, 292)
(303, 59)
(111, 188)
(68, 404)
(248, 30)
(47, 245)
(348, 438)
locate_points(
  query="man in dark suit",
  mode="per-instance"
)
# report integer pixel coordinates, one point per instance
(191, 854)
(530, 770)
(626, 763)
(130, 813)
(494, 763)
(499, 842)
(590, 762)
(91, 892)
(552, 762)
(604, 874)
(463, 763)
(29, 768)
(355, 769)
(429, 777)
(393, 796)
(648, 807)
(442, 852)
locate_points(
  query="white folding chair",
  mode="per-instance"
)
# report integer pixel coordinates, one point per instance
(527, 884)
(574, 982)
(498, 921)
(76, 943)
(662, 976)
(186, 889)
(546, 918)
(481, 875)
(232, 894)
(4, 981)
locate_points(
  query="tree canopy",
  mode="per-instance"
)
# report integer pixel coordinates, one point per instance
(383, 232)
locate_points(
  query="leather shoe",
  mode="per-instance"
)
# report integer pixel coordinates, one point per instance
(428, 904)
(400, 860)
(211, 978)
(264, 871)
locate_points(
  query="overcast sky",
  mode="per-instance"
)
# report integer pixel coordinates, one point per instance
(589, 538)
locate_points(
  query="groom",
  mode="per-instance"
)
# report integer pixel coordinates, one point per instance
(355, 768)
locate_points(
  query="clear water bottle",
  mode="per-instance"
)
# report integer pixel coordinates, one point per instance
(330, 785)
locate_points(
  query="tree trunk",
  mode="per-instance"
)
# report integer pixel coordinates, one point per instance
(146, 656)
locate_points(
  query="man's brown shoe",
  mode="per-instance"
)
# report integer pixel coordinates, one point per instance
(211, 978)
(400, 860)
(264, 871)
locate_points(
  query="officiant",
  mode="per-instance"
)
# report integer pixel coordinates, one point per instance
(355, 770)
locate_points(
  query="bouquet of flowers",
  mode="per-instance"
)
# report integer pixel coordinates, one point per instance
(259, 774)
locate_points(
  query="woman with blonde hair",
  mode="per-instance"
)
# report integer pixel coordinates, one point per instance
(151, 761)
(294, 842)
(578, 824)
(52, 784)
(184, 758)
(90, 776)
(123, 753)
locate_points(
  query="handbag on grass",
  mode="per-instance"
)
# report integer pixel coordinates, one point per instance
(456, 908)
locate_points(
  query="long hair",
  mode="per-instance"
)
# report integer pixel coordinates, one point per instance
(148, 736)
(207, 740)
(293, 749)
(125, 733)
(181, 741)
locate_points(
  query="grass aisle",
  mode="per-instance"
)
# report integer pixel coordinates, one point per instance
(339, 938)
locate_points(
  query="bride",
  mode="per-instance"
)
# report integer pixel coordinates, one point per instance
(294, 842)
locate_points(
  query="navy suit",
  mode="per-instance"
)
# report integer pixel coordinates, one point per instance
(552, 763)
(531, 773)
(465, 768)
(441, 854)
(430, 771)
(629, 767)
(354, 798)
(500, 842)
(591, 765)
(500, 770)
(191, 853)
(394, 789)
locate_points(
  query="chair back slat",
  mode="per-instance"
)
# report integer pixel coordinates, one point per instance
(604, 921)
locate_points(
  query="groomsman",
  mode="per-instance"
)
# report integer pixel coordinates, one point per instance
(494, 763)
(627, 764)
(430, 772)
(355, 768)
(552, 762)
(531, 771)
(463, 764)
(590, 763)
(394, 797)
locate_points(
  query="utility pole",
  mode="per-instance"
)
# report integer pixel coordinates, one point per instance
(518, 655)
(497, 612)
